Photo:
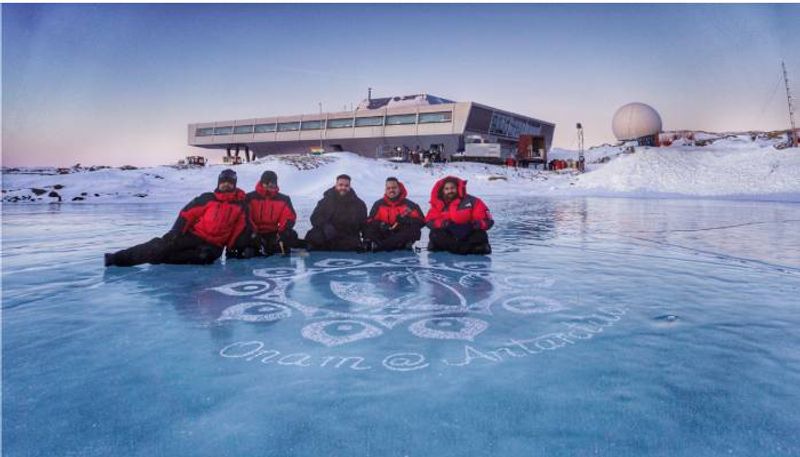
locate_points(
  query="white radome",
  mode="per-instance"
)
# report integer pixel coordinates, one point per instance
(635, 120)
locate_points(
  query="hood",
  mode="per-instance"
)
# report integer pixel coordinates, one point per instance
(332, 194)
(400, 197)
(235, 195)
(436, 192)
(264, 192)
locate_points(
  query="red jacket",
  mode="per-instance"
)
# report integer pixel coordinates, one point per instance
(388, 211)
(216, 217)
(464, 209)
(269, 212)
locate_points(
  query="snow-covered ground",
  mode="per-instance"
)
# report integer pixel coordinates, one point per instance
(730, 166)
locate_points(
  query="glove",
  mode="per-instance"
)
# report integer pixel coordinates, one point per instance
(384, 227)
(476, 225)
(330, 231)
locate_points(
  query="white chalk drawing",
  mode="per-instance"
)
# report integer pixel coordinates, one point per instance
(448, 328)
(341, 302)
(337, 332)
(244, 288)
(405, 361)
(256, 311)
(573, 331)
(431, 299)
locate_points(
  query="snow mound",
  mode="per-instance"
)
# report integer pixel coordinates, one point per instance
(737, 166)
(731, 167)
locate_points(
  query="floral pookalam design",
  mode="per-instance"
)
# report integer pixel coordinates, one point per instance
(365, 299)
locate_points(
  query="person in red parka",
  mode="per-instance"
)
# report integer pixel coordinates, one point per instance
(270, 221)
(458, 221)
(205, 226)
(394, 222)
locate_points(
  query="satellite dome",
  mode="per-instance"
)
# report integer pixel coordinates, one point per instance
(635, 120)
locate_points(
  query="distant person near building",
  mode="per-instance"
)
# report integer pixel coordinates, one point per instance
(271, 218)
(458, 221)
(204, 227)
(337, 219)
(394, 221)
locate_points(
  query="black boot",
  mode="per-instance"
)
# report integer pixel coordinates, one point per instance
(482, 248)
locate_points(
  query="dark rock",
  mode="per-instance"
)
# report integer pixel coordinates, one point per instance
(58, 187)
(54, 194)
(76, 199)
(38, 191)
(83, 194)
(128, 167)
(140, 195)
(96, 195)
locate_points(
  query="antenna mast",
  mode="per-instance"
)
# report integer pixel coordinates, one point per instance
(793, 133)
(581, 157)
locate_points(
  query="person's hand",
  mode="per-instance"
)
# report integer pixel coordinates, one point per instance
(476, 225)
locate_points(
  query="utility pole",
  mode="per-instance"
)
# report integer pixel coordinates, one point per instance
(581, 158)
(793, 133)
(322, 127)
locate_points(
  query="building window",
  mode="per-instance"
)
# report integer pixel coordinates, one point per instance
(311, 125)
(288, 126)
(240, 129)
(223, 130)
(431, 118)
(401, 119)
(208, 131)
(369, 121)
(513, 127)
(340, 123)
(265, 128)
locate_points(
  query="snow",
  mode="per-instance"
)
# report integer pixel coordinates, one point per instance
(731, 165)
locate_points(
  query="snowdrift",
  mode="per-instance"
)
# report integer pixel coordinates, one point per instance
(733, 166)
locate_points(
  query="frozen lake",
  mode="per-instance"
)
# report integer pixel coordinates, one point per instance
(598, 327)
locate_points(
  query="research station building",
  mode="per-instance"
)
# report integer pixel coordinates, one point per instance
(376, 128)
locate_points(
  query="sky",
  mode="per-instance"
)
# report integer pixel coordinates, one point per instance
(118, 84)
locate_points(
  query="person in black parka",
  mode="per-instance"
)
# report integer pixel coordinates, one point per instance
(337, 220)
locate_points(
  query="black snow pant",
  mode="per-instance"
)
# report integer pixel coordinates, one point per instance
(264, 244)
(391, 240)
(476, 242)
(183, 249)
(317, 241)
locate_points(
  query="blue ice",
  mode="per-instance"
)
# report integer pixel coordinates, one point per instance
(598, 327)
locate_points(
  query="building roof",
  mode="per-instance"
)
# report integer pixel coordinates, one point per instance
(402, 100)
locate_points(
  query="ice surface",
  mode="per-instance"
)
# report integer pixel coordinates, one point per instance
(597, 327)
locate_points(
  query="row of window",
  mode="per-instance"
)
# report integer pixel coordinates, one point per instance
(375, 121)
(503, 124)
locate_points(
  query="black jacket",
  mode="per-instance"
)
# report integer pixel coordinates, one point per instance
(345, 214)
